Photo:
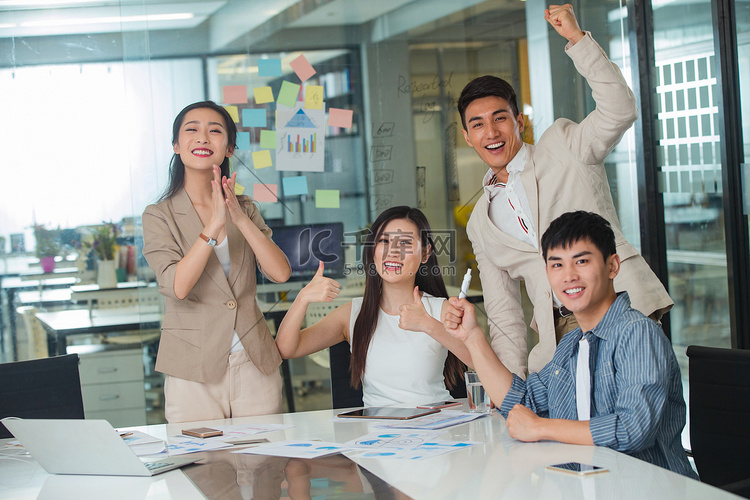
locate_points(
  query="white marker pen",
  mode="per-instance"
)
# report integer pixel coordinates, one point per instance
(465, 284)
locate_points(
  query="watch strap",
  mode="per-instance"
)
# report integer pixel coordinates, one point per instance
(211, 241)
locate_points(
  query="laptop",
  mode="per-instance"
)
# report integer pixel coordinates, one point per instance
(91, 447)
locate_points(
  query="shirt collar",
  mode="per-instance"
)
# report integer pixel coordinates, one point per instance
(515, 165)
(603, 329)
(518, 161)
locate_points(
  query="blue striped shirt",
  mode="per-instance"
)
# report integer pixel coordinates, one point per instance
(636, 402)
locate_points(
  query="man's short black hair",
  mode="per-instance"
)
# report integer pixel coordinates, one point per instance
(486, 86)
(572, 227)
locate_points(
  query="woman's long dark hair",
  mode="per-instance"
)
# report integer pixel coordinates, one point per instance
(176, 167)
(428, 278)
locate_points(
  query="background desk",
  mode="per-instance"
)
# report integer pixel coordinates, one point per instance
(499, 467)
(61, 324)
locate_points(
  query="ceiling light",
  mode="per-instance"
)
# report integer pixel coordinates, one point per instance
(113, 19)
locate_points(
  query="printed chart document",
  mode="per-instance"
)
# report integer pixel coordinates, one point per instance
(143, 444)
(446, 418)
(410, 445)
(296, 449)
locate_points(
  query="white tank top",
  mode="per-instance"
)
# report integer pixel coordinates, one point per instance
(403, 367)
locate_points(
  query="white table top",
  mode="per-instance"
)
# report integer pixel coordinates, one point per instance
(499, 467)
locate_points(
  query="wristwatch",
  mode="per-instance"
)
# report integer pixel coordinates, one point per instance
(211, 241)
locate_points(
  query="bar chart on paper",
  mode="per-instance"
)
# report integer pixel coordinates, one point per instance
(302, 144)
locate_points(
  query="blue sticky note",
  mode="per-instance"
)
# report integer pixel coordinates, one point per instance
(243, 140)
(254, 118)
(269, 67)
(294, 185)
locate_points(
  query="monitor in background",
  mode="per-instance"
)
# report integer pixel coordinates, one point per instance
(307, 244)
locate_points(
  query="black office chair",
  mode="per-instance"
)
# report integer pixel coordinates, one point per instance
(720, 416)
(40, 388)
(343, 395)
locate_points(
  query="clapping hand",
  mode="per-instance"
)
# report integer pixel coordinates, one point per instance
(230, 198)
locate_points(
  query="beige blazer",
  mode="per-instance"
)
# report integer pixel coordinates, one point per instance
(563, 173)
(197, 330)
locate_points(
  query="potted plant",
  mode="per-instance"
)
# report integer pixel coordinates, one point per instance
(46, 247)
(103, 242)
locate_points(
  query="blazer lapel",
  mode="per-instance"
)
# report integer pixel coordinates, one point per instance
(488, 228)
(528, 179)
(236, 252)
(191, 226)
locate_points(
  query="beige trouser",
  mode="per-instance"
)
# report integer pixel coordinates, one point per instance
(243, 391)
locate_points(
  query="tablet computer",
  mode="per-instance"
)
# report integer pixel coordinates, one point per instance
(387, 412)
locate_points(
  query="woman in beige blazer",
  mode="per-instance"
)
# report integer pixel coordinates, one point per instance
(202, 243)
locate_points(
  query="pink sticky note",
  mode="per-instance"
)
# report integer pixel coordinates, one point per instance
(235, 94)
(266, 192)
(302, 67)
(340, 117)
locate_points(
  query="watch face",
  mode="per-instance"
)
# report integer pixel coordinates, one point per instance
(211, 242)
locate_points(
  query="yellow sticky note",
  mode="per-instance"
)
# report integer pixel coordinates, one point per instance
(314, 97)
(327, 198)
(238, 189)
(262, 159)
(232, 110)
(263, 95)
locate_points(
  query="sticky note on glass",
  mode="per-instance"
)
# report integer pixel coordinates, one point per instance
(235, 94)
(263, 95)
(266, 192)
(232, 110)
(262, 159)
(269, 67)
(294, 185)
(243, 140)
(314, 97)
(288, 94)
(254, 118)
(268, 139)
(238, 189)
(302, 67)
(327, 198)
(340, 117)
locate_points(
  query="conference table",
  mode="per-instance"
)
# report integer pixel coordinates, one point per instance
(496, 467)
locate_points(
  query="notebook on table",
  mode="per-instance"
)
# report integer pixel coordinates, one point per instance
(91, 447)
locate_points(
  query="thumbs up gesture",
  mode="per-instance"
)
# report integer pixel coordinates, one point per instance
(414, 316)
(320, 288)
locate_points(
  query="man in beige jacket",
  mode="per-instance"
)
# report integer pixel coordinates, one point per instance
(528, 186)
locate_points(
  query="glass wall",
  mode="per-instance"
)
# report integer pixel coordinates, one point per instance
(90, 90)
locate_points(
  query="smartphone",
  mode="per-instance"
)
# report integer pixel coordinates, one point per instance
(577, 468)
(246, 440)
(202, 432)
(439, 404)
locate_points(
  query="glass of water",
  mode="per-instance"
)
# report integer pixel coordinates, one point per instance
(479, 400)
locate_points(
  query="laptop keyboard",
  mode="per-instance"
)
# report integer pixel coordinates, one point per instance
(152, 466)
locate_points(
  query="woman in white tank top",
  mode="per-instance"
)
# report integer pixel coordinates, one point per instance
(401, 353)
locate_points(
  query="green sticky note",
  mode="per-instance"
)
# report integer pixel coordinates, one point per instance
(288, 94)
(262, 159)
(327, 198)
(268, 139)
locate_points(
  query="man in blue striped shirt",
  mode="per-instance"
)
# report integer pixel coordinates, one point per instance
(614, 381)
